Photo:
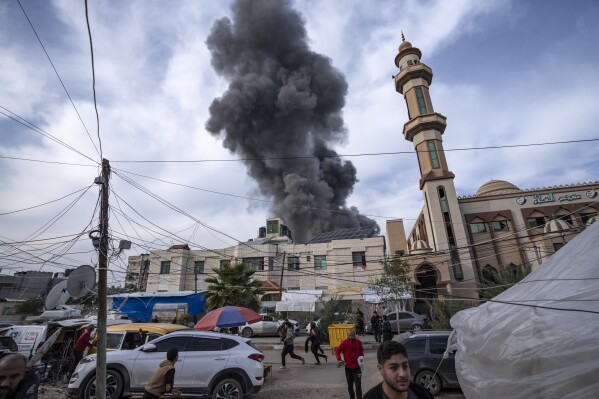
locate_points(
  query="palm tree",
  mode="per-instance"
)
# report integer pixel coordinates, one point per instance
(494, 283)
(233, 285)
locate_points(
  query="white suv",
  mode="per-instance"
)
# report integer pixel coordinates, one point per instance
(210, 364)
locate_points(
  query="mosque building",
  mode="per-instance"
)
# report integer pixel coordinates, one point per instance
(456, 241)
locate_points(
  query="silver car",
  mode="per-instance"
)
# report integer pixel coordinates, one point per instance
(268, 326)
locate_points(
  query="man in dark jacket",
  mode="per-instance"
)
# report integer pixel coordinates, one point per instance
(392, 359)
(16, 381)
(375, 324)
(163, 379)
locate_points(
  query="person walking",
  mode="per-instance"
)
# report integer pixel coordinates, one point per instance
(387, 332)
(360, 322)
(163, 379)
(155, 319)
(315, 338)
(17, 381)
(352, 349)
(288, 344)
(376, 326)
(392, 359)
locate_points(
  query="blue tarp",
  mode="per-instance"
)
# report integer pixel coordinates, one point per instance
(138, 306)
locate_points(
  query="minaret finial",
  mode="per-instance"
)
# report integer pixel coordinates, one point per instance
(403, 39)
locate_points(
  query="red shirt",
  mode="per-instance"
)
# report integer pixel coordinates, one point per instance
(82, 342)
(351, 352)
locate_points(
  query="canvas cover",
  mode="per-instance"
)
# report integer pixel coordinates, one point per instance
(540, 338)
(299, 301)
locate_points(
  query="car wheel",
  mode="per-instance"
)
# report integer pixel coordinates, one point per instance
(114, 386)
(416, 327)
(431, 381)
(247, 332)
(228, 389)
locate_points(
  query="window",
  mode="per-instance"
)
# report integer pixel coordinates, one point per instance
(113, 340)
(321, 287)
(432, 151)
(416, 346)
(437, 345)
(173, 342)
(320, 262)
(271, 263)
(536, 221)
(478, 228)
(500, 225)
(8, 310)
(420, 98)
(228, 343)
(584, 217)
(254, 263)
(224, 262)
(557, 246)
(204, 345)
(359, 259)
(566, 218)
(272, 226)
(165, 267)
(405, 316)
(198, 267)
(293, 263)
(410, 62)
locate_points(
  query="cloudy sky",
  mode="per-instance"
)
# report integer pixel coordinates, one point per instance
(505, 73)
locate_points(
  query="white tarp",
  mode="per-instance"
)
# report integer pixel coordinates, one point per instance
(369, 295)
(538, 339)
(299, 301)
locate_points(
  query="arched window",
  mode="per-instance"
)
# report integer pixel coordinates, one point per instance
(535, 220)
(489, 274)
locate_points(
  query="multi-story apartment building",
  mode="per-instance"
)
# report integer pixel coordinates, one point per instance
(338, 263)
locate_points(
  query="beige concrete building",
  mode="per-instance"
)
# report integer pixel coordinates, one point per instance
(455, 240)
(338, 263)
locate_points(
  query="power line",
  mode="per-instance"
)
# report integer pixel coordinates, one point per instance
(58, 75)
(45, 203)
(48, 162)
(91, 48)
(362, 154)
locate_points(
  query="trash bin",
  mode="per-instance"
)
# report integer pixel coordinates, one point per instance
(337, 333)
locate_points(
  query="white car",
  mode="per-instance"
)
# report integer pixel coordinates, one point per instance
(210, 364)
(267, 326)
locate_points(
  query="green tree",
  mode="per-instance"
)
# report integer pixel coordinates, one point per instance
(392, 285)
(233, 285)
(332, 313)
(494, 283)
(444, 310)
(30, 306)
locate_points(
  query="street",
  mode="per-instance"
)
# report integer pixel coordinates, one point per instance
(297, 381)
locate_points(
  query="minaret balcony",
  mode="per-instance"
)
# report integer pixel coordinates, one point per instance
(434, 121)
(412, 72)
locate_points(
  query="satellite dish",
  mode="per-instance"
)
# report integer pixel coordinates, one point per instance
(81, 281)
(57, 296)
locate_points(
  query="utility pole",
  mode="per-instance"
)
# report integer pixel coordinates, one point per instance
(281, 282)
(102, 284)
(195, 272)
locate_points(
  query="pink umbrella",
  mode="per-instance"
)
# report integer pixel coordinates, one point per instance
(228, 316)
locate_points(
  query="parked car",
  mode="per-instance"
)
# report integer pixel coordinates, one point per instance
(408, 321)
(128, 336)
(425, 352)
(210, 364)
(267, 326)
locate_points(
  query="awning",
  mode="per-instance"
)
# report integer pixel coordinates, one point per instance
(369, 295)
(299, 301)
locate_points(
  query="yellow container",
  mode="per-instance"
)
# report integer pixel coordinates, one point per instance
(338, 332)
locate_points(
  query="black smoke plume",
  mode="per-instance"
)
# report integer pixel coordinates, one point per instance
(284, 101)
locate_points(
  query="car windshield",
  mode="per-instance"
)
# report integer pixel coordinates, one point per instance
(8, 343)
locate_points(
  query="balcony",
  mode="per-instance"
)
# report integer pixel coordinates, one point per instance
(434, 121)
(413, 72)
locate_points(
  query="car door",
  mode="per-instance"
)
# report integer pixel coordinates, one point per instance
(204, 358)
(437, 346)
(416, 348)
(269, 326)
(405, 321)
(146, 363)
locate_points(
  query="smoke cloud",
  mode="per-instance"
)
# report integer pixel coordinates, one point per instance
(284, 101)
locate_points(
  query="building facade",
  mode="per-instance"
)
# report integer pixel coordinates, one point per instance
(456, 240)
(336, 265)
